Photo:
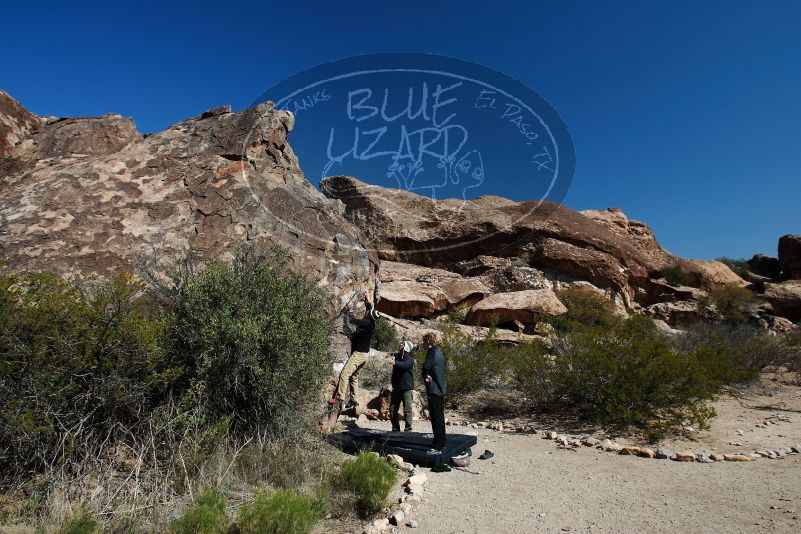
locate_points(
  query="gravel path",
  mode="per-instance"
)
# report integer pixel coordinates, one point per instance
(532, 486)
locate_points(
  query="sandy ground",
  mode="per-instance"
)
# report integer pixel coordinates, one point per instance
(531, 486)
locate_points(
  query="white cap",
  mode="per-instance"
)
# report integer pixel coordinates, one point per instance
(407, 346)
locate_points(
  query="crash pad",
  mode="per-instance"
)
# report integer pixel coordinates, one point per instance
(411, 446)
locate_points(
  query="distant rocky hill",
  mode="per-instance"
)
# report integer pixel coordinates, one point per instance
(93, 195)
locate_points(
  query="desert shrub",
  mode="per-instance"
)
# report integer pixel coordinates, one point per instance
(78, 362)
(81, 522)
(253, 338)
(375, 374)
(740, 267)
(584, 307)
(732, 302)
(206, 516)
(623, 375)
(290, 463)
(473, 364)
(458, 314)
(742, 350)
(675, 275)
(370, 478)
(284, 512)
(385, 336)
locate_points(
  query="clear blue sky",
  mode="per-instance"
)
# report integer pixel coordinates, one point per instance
(687, 115)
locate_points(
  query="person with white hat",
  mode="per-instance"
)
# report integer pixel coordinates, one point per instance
(402, 385)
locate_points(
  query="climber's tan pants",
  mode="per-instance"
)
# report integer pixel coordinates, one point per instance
(349, 377)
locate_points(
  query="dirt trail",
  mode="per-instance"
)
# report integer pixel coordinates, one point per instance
(531, 486)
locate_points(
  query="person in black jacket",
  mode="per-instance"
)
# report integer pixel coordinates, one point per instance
(348, 385)
(436, 389)
(402, 385)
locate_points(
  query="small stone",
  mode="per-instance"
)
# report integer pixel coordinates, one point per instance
(411, 523)
(630, 451)
(763, 453)
(542, 514)
(562, 440)
(590, 442)
(413, 499)
(481, 424)
(549, 434)
(737, 458)
(418, 479)
(664, 454)
(703, 458)
(414, 489)
(610, 446)
(796, 448)
(397, 518)
(716, 457)
(683, 457)
(646, 453)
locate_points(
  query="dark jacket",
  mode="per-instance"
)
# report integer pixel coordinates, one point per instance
(364, 333)
(402, 377)
(434, 366)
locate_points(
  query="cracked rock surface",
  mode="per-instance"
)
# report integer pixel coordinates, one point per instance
(93, 195)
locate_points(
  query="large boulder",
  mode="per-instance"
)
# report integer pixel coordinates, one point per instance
(710, 274)
(406, 227)
(790, 255)
(414, 291)
(785, 298)
(92, 195)
(764, 265)
(526, 307)
(680, 314)
(16, 124)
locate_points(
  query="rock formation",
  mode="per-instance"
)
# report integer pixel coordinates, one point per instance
(503, 260)
(790, 255)
(92, 195)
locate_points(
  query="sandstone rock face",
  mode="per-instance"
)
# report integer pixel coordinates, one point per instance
(680, 314)
(16, 124)
(91, 195)
(527, 307)
(790, 255)
(710, 274)
(785, 299)
(414, 291)
(406, 227)
(763, 265)
(415, 330)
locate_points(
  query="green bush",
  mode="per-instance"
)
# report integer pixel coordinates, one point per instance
(81, 522)
(744, 350)
(78, 363)
(253, 338)
(285, 512)
(732, 302)
(473, 364)
(740, 267)
(385, 336)
(584, 307)
(675, 275)
(623, 375)
(206, 516)
(370, 478)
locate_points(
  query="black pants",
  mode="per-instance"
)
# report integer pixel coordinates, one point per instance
(436, 411)
(398, 396)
